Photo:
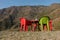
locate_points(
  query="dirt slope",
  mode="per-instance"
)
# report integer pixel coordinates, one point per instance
(15, 35)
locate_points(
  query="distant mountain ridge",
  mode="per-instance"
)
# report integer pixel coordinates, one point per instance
(12, 14)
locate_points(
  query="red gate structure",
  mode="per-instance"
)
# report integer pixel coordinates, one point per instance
(24, 23)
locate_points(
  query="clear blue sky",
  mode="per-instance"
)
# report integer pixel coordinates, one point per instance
(8, 3)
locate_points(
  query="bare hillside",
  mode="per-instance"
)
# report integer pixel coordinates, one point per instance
(9, 17)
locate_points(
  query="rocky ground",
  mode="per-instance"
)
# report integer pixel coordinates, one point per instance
(17, 35)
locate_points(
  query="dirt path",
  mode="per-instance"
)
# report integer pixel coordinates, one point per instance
(16, 35)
